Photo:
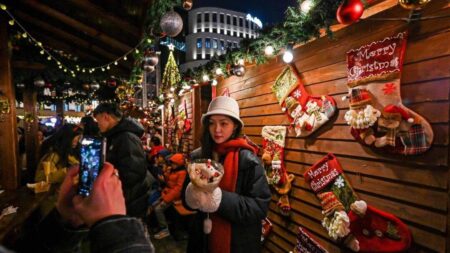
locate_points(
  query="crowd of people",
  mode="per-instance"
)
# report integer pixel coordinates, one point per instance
(138, 182)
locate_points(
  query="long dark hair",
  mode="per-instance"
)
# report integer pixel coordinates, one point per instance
(208, 142)
(61, 143)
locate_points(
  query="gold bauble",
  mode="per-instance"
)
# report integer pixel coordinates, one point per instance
(413, 4)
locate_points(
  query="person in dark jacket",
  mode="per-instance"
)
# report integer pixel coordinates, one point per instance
(125, 152)
(242, 199)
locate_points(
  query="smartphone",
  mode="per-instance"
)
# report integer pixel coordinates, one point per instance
(92, 155)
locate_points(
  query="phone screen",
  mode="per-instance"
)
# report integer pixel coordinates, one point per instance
(92, 158)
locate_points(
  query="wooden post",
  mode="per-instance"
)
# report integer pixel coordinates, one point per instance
(9, 173)
(196, 117)
(31, 127)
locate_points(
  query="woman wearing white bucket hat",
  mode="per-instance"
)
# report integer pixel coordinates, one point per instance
(242, 197)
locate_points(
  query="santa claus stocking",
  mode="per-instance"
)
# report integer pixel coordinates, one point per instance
(307, 113)
(377, 116)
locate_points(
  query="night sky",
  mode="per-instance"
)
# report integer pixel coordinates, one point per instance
(268, 11)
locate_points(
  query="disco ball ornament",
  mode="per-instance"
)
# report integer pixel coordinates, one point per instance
(187, 4)
(171, 23)
(349, 11)
(239, 70)
(413, 4)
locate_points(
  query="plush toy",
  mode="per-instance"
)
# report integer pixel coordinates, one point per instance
(203, 191)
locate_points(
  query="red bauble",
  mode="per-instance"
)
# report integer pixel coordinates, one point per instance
(349, 11)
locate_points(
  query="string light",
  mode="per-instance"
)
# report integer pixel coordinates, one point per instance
(268, 51)
(288, 56)
(11, 22)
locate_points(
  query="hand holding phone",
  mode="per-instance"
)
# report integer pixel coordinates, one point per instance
(92, 154)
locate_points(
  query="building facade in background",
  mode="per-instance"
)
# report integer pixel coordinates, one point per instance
(212, 30)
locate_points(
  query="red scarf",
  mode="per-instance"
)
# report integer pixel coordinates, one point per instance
(220, 237)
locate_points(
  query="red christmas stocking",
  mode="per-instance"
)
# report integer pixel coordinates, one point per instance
(273, 154)
(336, 196)
(307, 243)
(377, 116)
(307, 113)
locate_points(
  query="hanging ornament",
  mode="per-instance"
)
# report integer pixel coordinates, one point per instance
(413, 4)
(239, 70)
(151, 58)
(171, 23)
(187, 4)
(39, 83)
(349, 11)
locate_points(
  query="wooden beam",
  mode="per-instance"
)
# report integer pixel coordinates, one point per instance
(99, 12)
(9, 173)
(31, 128)
(94, 33)
(66, 36)
(28, 65)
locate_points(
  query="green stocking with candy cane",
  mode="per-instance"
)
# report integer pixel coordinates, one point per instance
(377, 115)
(306, 112)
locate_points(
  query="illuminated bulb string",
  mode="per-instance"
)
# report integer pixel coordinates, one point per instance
(90, 69)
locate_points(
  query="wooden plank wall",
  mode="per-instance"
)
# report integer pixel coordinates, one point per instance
(414, 188)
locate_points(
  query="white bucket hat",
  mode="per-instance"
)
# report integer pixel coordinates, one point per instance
(224, 106)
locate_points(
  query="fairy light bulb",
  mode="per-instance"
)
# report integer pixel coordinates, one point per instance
(49, 58)
(241, 62)
(125, 58)
(306, 6)
(268, 51)
(42, 52)
(205, 78)
(172, 89)
(214, 82)
(11, 22)
(115, 63)
(288, 56)
(3, 7)
(24, 35)
(108, 67)
(219, 71)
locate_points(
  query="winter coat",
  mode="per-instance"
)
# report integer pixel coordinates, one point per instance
(244, 208)
(174, 185)
(125, 152)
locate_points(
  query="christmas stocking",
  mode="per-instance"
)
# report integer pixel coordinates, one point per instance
(306, 243)
(273, 154)
(336, 195)
(307, 113)
(377, 116)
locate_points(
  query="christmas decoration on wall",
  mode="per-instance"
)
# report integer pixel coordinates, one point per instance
(413, 4)
(171, 23)
(377, 116)
(360, 227)
(266, 228)
(183, 127)
(187, 4)
(307, 243)
(273, 160)
(171, 75)
(349, 11)
(5, 106)
(239, 70)
(306, 112)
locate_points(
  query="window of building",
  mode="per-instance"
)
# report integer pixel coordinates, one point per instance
(234, 21)
(199, 43)
(199, 29)
(207, 29)
(214, 43)
(199, 17)
(214, 17)
(207, 43)
(199, 56)
(229, 44)
(247, 23)
(207, 56)
(229, 19)
(235, 45)
(241, 22)
(206, 17)
(222, 45)
(222, 18)
(214, 30)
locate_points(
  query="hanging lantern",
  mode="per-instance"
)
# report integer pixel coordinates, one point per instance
(171, 23)
(349, 11)
(20, 86)
(95, 86)
(39, 83)
(187, 4)
(413, 4)
(239, 70)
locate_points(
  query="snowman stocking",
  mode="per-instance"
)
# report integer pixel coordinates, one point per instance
(307, 113)
(377, 116)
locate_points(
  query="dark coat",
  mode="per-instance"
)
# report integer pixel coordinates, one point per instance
(244, 208)
(125, 152)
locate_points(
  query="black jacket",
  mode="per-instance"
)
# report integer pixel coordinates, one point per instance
(125, 152)
(244, 208)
